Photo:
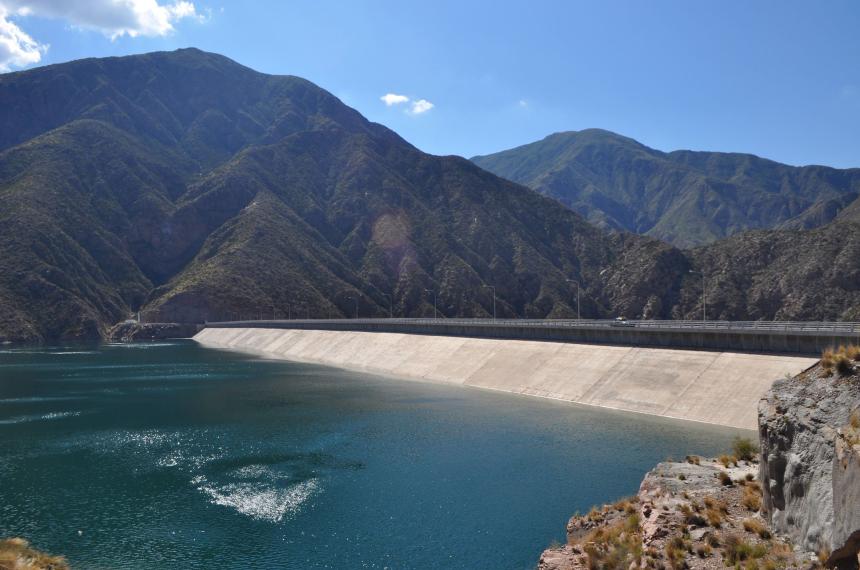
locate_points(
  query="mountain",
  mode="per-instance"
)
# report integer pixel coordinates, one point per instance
(784, 274)
(188, 187)
(685, 198)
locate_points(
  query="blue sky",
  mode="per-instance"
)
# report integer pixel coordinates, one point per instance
(780, 79)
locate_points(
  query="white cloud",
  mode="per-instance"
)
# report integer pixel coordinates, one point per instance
(523, 103)
(394, 99)
(113, 18)
(17, 48)
(421, 106)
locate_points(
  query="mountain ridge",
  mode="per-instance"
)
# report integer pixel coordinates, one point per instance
(188, 187)
(687, 198)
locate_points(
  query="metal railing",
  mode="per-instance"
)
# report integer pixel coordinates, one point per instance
(839, 328)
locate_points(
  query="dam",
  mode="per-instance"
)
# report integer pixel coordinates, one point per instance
(721, 387)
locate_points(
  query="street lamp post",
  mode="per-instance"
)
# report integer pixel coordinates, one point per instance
(493, 287)
(434, 302)
(356, 305)
(704, 305)
(578, 315)
(390, 305)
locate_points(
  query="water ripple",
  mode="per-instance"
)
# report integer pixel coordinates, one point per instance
(257, 500)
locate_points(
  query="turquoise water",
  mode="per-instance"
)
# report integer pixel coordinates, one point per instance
(169, 455)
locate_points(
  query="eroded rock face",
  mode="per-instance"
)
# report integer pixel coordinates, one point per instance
(810, 468)
(846, 497)
(698, 515)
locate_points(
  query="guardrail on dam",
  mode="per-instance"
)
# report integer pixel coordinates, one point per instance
(744, 336)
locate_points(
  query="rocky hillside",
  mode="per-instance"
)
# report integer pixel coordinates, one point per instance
(783, 274)
(188, 187)
(697, 514)
(685, 198)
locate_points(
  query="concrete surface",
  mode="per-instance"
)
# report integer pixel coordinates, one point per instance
(721, 388)
(805, 338)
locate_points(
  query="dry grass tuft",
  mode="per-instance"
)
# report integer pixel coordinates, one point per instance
(727, 460)
(725, 479)
(736, 550)
(616, 546)
(676, 552)
(16, 554)
(840, 360)
(755, 526)
(752, 497)
(691, 517)
(714, 517)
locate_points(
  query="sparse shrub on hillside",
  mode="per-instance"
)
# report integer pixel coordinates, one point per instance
(627, 505)
(840, 360)
(616, 546)
(752, 497)
(852, 430)
(676, 552)
(827, 361)
(714, 517)
(744, 448)
(844, 365)
(727, 460)
(735, 550)
(725, 479)
(755, 526)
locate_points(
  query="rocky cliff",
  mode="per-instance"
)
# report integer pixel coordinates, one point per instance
(802, 511)
(810, 430)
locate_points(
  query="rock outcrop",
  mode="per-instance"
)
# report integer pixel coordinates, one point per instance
(696, 514)
(810, 465)
(16, 554)
(133, 331)
(803, 511)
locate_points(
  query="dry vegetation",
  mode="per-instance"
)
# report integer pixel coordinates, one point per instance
(685, 517)
(16, 554)
(842, 360)
(852, 430)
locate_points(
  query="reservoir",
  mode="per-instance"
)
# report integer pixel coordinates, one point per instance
(171, 455)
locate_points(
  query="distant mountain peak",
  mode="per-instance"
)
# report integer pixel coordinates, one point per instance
(688, 198)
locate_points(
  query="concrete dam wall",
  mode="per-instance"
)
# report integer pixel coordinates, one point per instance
(721, 388)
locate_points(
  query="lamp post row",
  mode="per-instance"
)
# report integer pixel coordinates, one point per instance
(704, 298)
